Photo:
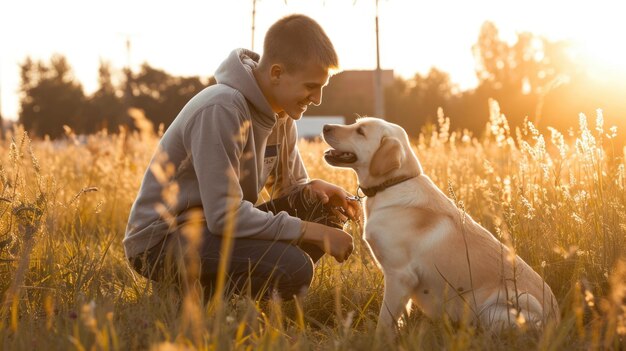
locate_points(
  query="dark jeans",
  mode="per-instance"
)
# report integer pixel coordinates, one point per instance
(258, 267)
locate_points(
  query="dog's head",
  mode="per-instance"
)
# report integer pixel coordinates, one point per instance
(374, 148)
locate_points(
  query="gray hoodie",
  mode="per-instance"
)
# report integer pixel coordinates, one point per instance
(224, 146)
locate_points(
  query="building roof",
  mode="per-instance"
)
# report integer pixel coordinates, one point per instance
(310, 127)
(351, 94)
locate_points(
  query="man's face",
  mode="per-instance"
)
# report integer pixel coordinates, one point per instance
(294, 91)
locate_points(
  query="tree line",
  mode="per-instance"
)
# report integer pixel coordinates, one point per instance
(50, 97)
(533, 78)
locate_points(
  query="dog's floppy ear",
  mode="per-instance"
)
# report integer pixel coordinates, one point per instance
(387, 158)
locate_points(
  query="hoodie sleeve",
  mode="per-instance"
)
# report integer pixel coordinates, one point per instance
(216, 138)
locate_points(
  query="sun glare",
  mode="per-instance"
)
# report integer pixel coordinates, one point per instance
(606, 59)
(601, 46)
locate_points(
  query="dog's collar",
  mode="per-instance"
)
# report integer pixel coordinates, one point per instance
(370, 192)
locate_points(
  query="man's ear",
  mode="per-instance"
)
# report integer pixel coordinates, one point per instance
(387, 158)
(276, 72)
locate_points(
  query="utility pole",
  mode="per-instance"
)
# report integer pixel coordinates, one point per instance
(128, 51)
(253, 19)
(128, 74)
(379, 102)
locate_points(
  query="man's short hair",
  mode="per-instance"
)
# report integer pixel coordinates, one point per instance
(296, 40)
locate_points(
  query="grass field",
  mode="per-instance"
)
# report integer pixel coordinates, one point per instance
(557, 199)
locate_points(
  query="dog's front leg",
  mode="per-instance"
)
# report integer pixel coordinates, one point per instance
(398, 289)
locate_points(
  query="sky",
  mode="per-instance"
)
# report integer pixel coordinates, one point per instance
(192, 37)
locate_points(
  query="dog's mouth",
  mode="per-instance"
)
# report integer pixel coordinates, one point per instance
(333, 157)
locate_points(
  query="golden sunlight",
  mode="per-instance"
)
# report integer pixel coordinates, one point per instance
(600, 42)
(606, 59)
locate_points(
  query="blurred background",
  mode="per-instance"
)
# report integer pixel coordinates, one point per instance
(85, 63)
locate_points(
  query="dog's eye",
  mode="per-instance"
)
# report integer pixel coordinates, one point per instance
(360, 131)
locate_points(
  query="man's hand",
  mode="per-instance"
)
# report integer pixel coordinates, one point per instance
(334, 242)
(335, 197)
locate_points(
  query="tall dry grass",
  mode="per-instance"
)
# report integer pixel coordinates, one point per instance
(557, 199)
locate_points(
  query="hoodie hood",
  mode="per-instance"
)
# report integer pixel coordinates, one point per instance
(236, 72)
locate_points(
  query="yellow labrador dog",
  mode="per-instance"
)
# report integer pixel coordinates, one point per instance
(431, 253)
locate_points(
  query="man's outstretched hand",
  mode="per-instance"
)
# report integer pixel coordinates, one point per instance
(335, 197)
(333, 241)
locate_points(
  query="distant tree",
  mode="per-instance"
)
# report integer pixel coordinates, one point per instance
(414, 103)
(435, 91)
(105, 108)
(160, 95)
(49, 97)
(519, 76)
(401, 104)
(491, 55)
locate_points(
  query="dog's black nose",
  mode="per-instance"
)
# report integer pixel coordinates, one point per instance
(327, 128)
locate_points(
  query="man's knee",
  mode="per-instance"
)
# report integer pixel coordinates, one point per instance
(293, 274)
